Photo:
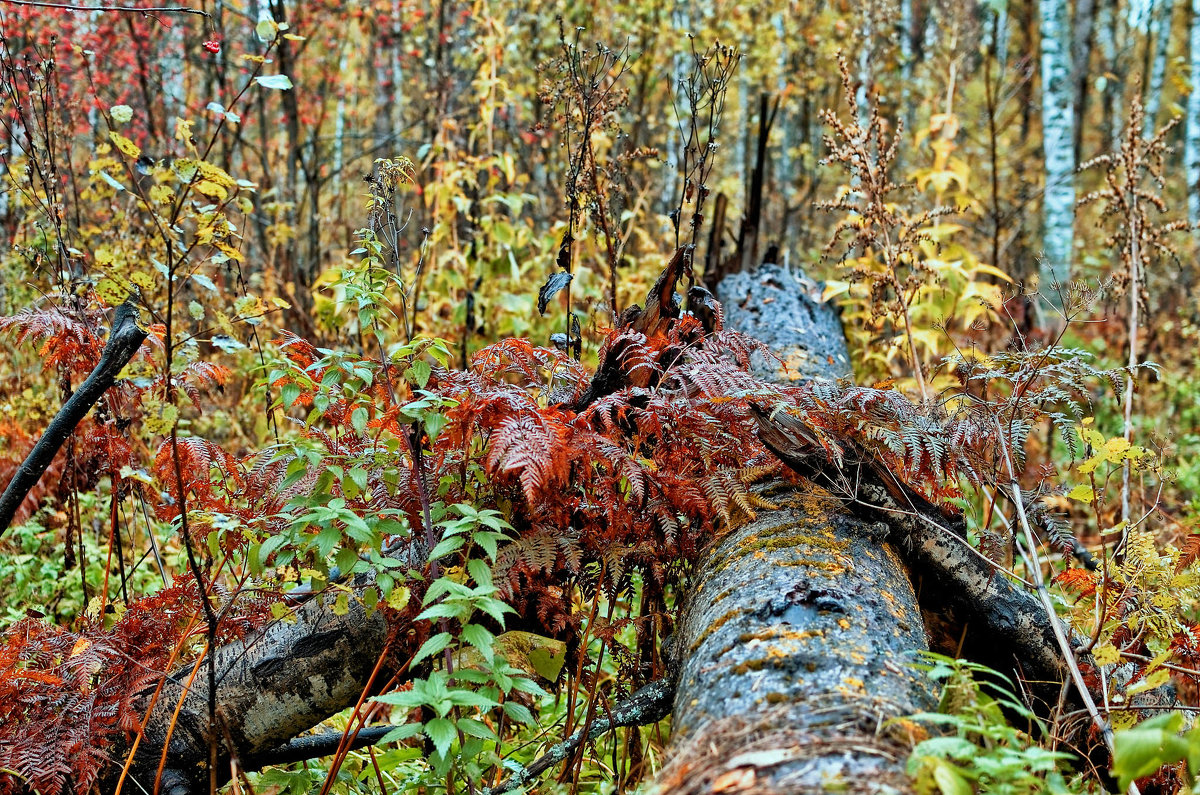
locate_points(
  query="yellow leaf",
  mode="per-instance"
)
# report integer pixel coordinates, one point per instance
(161, 194)
(833, 289)
(993, 271)
(1083, 492)
(1106, 654)
(211, 189)
(183, 130)
(398, 598)
(159, 418)
(1151, 682)
(127, 147)
(1115, 448)
(142, 279)
(111, 292)
(229, 250)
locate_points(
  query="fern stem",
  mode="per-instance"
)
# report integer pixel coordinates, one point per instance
(1039, 582)
(1135, 288)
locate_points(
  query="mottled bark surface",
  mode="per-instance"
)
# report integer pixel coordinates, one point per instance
(778, 306)
(269, 689)
(793, 649)
(794, 652)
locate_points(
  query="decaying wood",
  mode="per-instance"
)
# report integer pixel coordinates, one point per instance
(1002, 624)
(793, 653)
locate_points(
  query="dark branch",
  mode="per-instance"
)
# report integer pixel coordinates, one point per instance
(314, 745)
(649, 704)
(123, 344)
(932, 541)
(116, 8)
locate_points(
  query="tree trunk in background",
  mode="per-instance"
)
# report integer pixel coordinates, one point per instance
(1058, 146)
(1081, 51)
(1191, 147)
(792, 647)
(1159, 38)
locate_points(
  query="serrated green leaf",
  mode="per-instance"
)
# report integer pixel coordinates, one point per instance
(433, 646)
(441, 733)
(402, 732)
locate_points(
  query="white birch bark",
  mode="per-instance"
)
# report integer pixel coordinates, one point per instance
(1160, 36)
(339, 128)
(1058, 142)
(783, 176)
(1191, 146)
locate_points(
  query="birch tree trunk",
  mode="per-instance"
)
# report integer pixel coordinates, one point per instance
(1159, 37)
(1191, 146)
(1081, 51)
(1058, 146)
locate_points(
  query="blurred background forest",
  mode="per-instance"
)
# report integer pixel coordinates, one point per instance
(221, 165)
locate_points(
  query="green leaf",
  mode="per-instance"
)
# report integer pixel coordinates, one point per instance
(358, 418)
(345, 559)
(266, 30)
(950, 781)
(419, 372)
(289, 395)
(1145, 748)
(359, 476)
(470, 698)
(442, 610)
(434, 422)
(269, 546)
(947, 748)
(518, 712)
(480, 571)
(547, 665)
(445, 547)
(475, 728)
(481, 639)
(441, 733)
(434, 645)
(401, 732)
(278, 82)
(405, 698)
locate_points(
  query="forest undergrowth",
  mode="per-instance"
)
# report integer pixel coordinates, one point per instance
(429, 319)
